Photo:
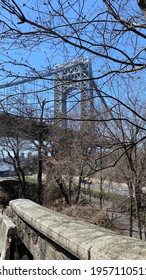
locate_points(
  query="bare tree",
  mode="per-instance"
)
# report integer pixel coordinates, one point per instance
(11, 152)
(36, 129)
(104, 34)
(112, 33)
(125, 153)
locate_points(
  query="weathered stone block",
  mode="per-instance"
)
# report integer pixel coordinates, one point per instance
(7, 232)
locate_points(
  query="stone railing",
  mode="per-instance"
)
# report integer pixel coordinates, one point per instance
(8, 232)
(51, 235)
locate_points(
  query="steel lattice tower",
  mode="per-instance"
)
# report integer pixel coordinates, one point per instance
(76, 75)
(69, 76)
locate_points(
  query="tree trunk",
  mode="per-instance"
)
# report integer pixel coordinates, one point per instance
(142, 5)
(70, 189)
(39, 179)
(22, 183)
(138, 206)
(79, 187)
(63, 189)
(130, 187)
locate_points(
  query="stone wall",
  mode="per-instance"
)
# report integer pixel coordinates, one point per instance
(51, 235)
(7, 233)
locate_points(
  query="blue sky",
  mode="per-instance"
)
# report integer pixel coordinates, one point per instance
(46, 54)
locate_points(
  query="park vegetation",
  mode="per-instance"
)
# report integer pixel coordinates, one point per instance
(35, 35)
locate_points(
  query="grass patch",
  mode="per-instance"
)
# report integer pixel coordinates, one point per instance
(122, 202)
(31, 180)
(106, 195)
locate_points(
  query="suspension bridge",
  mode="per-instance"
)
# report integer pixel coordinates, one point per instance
(67, 78)
(67, 102)
(42, 230)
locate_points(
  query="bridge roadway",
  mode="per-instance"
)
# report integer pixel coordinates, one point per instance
(39, 75)
(27, 128)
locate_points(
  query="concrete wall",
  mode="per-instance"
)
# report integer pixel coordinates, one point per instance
(7, 233)
(51, 235)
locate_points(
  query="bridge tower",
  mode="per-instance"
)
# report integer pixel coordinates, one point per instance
(76, 75)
